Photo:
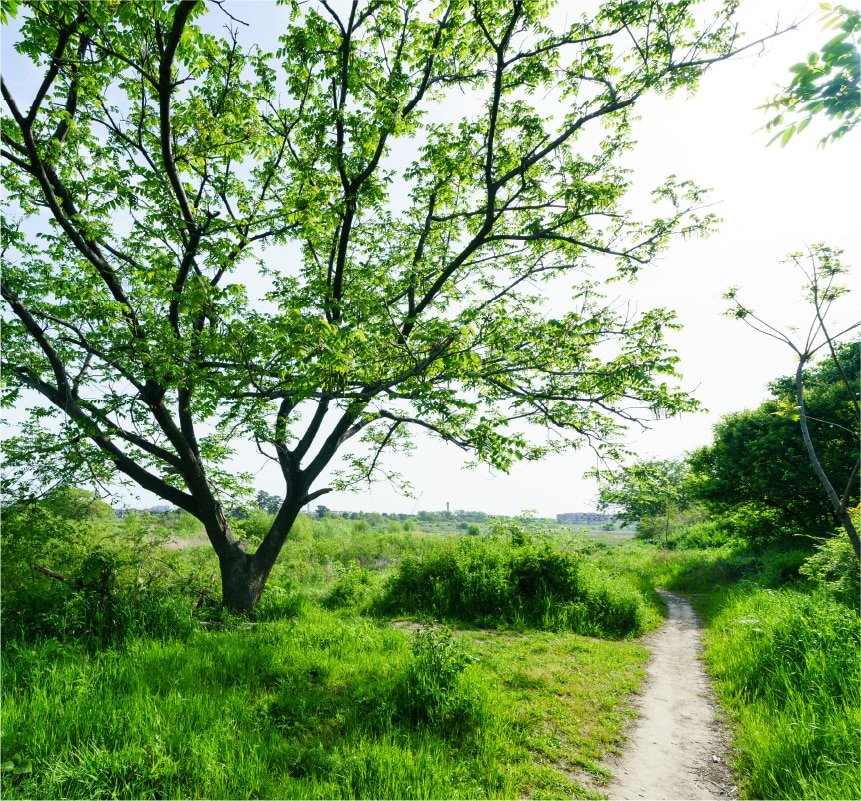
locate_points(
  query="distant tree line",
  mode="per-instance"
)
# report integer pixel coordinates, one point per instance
(378, 518)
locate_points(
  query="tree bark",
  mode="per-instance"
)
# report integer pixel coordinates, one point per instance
(244, 575)
(242, 580)
(840, 509)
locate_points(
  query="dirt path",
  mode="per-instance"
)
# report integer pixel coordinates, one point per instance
(677, 749)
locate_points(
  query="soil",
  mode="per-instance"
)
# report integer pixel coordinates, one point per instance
(678, 747)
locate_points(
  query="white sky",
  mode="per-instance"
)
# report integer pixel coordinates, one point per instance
(773, 200)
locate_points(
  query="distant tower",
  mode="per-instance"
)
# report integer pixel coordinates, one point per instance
(447, 506)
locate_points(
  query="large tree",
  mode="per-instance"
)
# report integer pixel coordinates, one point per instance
(343, 240)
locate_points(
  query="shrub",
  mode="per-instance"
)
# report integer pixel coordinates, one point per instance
(98, 578)
(835, 569)
(492, 582)
(433, 691)
(279, 603)
(711, 534)
(351, 587)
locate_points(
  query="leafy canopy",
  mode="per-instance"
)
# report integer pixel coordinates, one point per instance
(827, 84)
(341, 241)
(651, 488)
(758, 456)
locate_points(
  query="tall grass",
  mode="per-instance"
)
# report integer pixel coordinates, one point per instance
(492, 581)
(325, 705)
(787, 665)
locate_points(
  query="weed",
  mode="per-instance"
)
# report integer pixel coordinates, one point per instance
(787, 665)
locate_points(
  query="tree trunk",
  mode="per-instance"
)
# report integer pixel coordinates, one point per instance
(244, 575)
(840, 509)
(242, 580)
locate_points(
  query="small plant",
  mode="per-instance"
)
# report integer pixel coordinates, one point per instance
(835, 569)
(433, 691)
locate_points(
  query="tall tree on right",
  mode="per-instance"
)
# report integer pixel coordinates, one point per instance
(822, 268)
(758, 464)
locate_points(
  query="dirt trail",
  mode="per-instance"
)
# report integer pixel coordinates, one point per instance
(677, 749)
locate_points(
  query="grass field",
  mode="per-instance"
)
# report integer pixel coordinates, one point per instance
(321, 695)
(384, 661)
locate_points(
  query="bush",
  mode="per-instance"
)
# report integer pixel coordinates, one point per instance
(835, 569)
(433, 691)
(711, 534)
(492, 582)
(351, 587)
(756, 523)
(279, 603)
(98, 578)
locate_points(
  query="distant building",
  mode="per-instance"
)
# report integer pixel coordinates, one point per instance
(584, 518)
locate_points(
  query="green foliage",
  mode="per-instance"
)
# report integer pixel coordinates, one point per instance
(757, 469)
(150, 162)
(324, 705)
(269, 503)
(787, 664)
(827, 84)
(491, 582)
(351, 586)
(835, 569)
(111, 578)
(433, 690)
(253, 527)
(650, 493)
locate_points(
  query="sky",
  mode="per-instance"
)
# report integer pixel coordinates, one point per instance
(772, 201)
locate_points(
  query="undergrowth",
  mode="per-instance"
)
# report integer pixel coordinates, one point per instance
(493, 581)
(787, 666)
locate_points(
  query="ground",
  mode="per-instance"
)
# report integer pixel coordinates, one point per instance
(677, 749)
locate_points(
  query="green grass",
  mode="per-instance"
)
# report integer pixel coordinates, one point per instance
(321, 706)
(114, 689)
(787, 667)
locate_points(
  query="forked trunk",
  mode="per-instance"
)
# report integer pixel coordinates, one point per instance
(243, 575)
(242, 581)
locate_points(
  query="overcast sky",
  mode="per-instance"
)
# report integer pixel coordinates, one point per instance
(772, 200)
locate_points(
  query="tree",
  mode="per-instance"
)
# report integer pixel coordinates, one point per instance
(328, 244)
(646, 492)
(269, 503)
(757, 460)
(821, 267)
(828, 83)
